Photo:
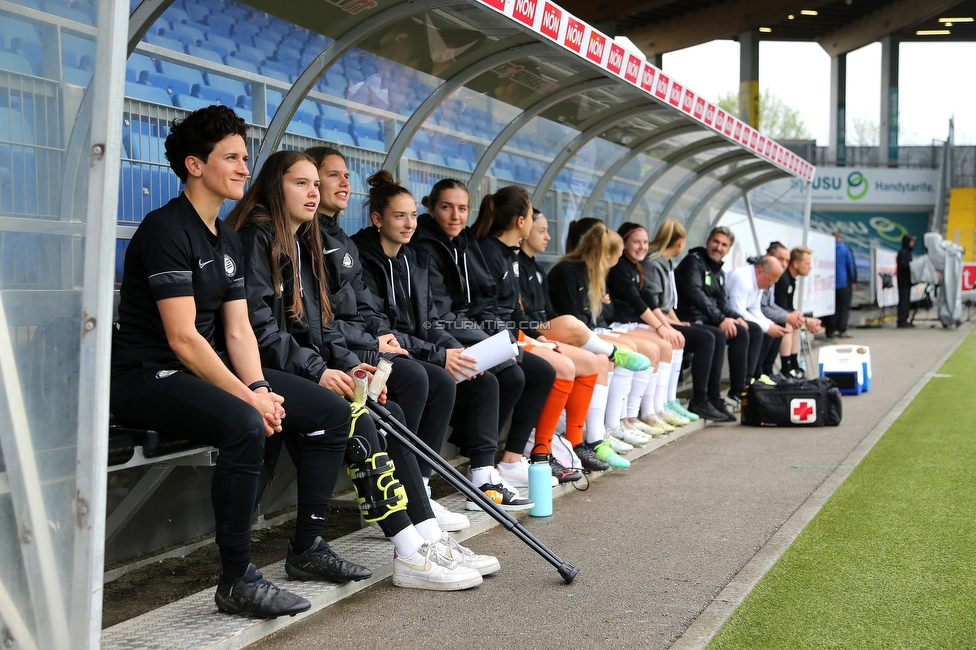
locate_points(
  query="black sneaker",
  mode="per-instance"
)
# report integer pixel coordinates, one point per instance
(320, 562)
(719, 405)
(252, 594)
(708, 412)
(589, 460)
(504, 495)
(563, 474)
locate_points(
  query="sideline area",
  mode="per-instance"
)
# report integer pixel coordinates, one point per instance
(889, 560)
(656, 544)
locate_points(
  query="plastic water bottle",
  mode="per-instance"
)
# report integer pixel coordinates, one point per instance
(540, 483)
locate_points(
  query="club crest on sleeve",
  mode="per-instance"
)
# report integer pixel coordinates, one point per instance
(229, 267)
(347, 261)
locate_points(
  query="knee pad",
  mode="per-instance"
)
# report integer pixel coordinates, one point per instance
(378, 492)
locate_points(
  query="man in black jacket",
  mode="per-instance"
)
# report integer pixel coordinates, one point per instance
(905, 280)
(702, 300)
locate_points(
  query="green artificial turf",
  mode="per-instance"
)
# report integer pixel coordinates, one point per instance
(890, 560)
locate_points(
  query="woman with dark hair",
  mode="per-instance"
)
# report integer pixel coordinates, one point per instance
(466, 306)
(276, 220)
(398, 276)
(706, 343)
(633, 311)
(185, 362)
(504, 220)
(425, 392)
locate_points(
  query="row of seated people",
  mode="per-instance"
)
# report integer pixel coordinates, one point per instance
(225, 326)
(301, 314)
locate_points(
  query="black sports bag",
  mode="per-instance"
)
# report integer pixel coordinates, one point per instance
(792, 403)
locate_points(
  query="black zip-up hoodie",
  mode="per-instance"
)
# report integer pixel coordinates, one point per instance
(701, 289)
(461, 283)
(300, 347)
(504, 266)
(534, 285)
(352, 305)
(629, 299)
(568, 283)
(401, 292)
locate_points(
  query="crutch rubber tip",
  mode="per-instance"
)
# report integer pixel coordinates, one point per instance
(568, 572)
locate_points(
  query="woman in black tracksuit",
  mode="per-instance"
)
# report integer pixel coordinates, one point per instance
(276, 219)
(398, 276)
(467, 310)
(425, 392)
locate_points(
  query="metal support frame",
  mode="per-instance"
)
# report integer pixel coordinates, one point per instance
(590, 130)
(752, 222)
(726, 182)
(135, 499)
(534, 110)
(468, 68)
(807, 209)
(701, 172)
(671, 160)
(326, 58)
(652, 139)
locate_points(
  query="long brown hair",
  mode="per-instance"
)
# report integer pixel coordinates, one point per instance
(593, 249)
(500, 210)
(264, 203)
(669, 232)
(625, 230)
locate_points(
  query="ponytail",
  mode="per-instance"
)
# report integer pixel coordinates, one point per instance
(500, 211)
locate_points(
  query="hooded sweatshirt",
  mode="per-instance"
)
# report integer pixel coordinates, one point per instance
(401, 290)
(701, 289)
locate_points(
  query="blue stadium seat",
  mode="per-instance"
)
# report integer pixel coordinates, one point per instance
(302, 128)
(175, 15)
(77, 76)
(303, 117)
(249, 53)
(190, 102)
(245, 114)
(277, 71)
(182, 33)
(221, 25)
(219, 50)
(33, 4)
(232, 86)
(410, 153)
(32, 52)
(76, 46)
(168, 84)
(242, 64)
(287, 55)
(337, 137)
(266, 45)
(11, 28)
(215, 95)
(162, 41)
(15, 63)
(78, 12)
(437, 159)
(147, 93)
(243, 101)
(460, 163)
(198, 12)
(204, 53)
(334, 113)
(175, 71)
(372, 130)
(139, 63)
(223, 41)
(144, 146)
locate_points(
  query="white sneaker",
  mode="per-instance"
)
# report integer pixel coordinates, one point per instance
(429, 569)
(519, 476)
(483, 564)
(448, 521)
(619, 445)
(631, 435)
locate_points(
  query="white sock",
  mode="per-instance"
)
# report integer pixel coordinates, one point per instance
(637, 390)
(429, 530)
(481, 475)
(676, 358)
(509, 466)
(596, 429)
(617, 394)
(598, 345)
(661, 390)
(407, 542)
(647, 401)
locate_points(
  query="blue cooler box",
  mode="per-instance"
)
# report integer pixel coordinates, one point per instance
(849, 366)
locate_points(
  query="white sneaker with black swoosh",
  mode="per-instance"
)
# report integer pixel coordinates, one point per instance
(430, 569)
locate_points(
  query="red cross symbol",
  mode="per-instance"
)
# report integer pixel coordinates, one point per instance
(802, 411)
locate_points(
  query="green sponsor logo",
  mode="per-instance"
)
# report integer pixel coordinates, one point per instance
(857, 186)
(888, 229)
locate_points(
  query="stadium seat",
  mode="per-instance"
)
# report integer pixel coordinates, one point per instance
(147, 93)
(139, 63)
(175, 71)
(15, 63)
(223, 41)
(76, 46)
(302, 128)
(19, 191)
(77, 76)
(32, 51)
(232, 86)
(190, 102)
(204, 53)
(183, 33)
(168, 84)
(337, 137)
(162, 41)
(78, 12)
(242, 64)
(215, 95)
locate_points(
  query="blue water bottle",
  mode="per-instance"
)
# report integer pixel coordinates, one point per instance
(540, 482)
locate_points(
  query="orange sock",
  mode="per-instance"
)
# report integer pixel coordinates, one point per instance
(549, 418)
(576, 407)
